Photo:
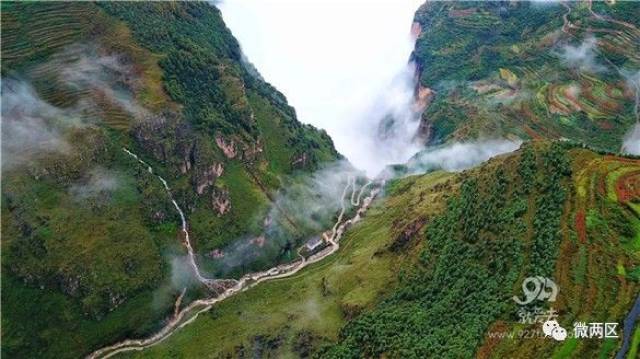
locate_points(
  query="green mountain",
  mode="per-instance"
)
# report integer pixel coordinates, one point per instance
(529, 69)
(91, 241)
(120, 118)
(431, 270)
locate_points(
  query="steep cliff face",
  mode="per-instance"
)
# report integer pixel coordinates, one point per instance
(87, 229)
(529, 70)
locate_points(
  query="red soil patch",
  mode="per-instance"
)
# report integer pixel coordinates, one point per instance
(489, 345)
(581, 227)
(531, 132)
(416, 30)
(605, 125)
(525, 111)
(461, 13)
(628, 186)
(572, 99)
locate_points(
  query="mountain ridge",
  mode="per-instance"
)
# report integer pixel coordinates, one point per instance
(84, 80)
(135, 131)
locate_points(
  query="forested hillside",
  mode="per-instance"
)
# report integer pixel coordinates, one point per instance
(549, 210)
(91, 243)
(146, 165)
(432, 269)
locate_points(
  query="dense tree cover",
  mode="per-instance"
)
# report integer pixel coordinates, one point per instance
(204, 71)
(473, 254)
(223, 95)
(548, 215)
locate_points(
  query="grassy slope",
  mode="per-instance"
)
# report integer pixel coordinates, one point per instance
(312, 305)
(497, 70)
(385, 271)
(96, 269)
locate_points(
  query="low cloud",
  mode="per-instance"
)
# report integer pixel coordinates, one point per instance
(632, 82)
(243, 252)
(367, 67)
(304, 207)
(99, 181)
(182, 275)
(30, 126)
(582, 57)
(311, 202)
(631, 144)
(84, 68)
(459, 156)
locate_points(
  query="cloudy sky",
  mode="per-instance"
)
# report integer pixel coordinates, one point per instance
(332, 59)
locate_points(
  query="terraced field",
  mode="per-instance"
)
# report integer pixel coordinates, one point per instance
(91, 242)
(530, 74)
(74, 53)
(49, 28)
(598, 262)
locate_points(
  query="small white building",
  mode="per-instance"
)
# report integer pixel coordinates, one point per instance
(313, 243)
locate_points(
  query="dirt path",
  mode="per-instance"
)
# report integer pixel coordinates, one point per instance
(566, 25)
(607, 18)
(187, 315)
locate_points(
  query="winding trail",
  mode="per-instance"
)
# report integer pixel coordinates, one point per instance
(608, 18)
(566, 24)
(187, 315)
(357, 201)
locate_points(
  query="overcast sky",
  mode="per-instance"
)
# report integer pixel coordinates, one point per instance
(332, 59)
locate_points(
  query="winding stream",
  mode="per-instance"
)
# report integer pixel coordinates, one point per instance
(187, 242)
(187, 315)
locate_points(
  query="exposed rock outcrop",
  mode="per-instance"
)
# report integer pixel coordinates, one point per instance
(425, 132)
(423, 98)
(70, 284)
(208, 177)
(416, 30)
(146, 134)
(409, 232)
(227, 147)
(186, 153)
(300, 161)
(251, 152)
(221, 201)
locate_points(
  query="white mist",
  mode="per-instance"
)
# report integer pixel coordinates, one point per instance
(341, 64)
